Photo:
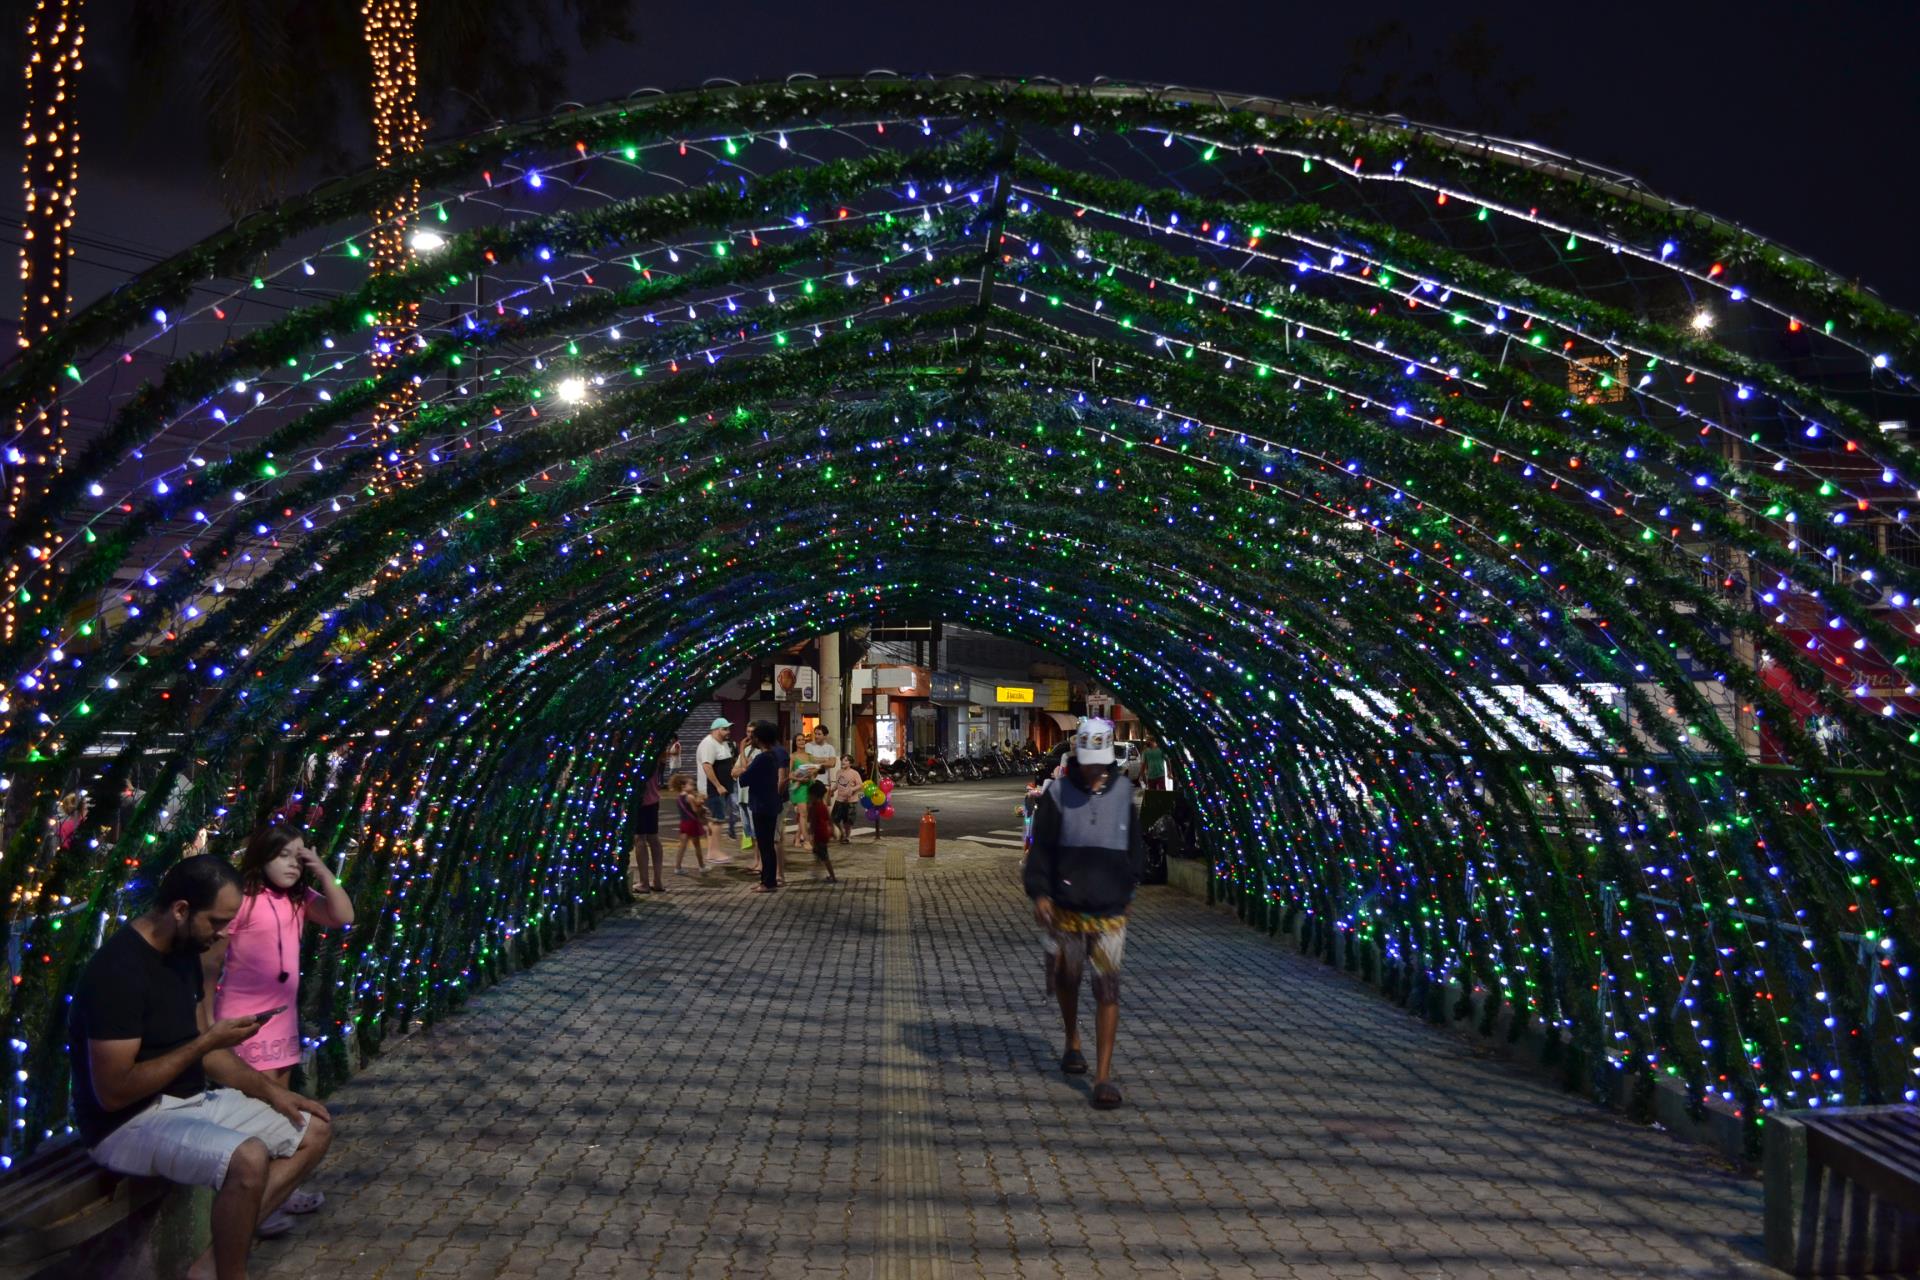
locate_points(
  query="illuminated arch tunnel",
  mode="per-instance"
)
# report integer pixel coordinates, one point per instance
(1512, 560)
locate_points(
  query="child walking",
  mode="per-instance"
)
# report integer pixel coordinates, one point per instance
(693, 824)
(819, 825)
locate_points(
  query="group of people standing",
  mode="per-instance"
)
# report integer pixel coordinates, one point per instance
(172, 1084)
(753, 795)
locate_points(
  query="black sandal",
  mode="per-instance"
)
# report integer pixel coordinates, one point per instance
(1073, 1063)
(1106, 1096)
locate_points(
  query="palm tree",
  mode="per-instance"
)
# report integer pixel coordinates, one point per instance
(273, 82)
(272, 77)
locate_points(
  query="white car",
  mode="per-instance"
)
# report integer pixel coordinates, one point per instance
(1128, 757)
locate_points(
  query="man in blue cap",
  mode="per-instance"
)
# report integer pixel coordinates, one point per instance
(715, 762)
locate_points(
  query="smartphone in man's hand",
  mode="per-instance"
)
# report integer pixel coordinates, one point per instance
(269, 1014)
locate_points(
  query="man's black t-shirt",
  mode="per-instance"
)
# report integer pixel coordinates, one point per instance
(131, 991)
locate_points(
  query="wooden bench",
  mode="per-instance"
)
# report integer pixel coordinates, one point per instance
(1843, 1191)
(62, 1215)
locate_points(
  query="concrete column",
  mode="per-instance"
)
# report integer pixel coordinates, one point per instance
(833, 707)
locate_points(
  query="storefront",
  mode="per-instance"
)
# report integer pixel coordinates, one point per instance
(949, 696)
(886, 722)
(972, 713)
(1000, 712)
(1051, 728)
(1126, 725)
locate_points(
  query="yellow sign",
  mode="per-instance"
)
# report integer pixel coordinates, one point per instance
(1009, 693)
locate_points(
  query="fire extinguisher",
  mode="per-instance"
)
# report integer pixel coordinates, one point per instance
(929, 832)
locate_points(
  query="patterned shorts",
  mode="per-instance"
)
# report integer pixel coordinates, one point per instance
(1075, 938)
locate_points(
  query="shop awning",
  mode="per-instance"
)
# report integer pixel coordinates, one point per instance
(1065, 721)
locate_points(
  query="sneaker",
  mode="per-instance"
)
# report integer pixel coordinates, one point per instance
(277, 1223)
(303, 1201)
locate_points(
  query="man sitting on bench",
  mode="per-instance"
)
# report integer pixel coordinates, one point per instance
(157, 1089)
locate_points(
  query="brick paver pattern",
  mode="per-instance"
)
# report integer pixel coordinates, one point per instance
(705, 1086)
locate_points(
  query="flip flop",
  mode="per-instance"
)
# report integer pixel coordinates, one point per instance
(1106, 1096)
(1073, 1063)
(303, 1201)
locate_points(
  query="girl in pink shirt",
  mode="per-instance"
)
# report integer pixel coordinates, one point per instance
(286, 885)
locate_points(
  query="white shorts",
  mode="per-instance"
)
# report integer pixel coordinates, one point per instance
(190, 1140)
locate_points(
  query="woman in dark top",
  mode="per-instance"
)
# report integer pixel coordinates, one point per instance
(766, 783)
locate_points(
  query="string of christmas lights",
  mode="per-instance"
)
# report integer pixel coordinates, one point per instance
(49, 174)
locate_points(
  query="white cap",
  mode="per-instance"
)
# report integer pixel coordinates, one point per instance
(720, 722)
(1093, 741)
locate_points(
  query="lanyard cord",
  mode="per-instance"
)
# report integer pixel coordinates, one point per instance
(279, 933)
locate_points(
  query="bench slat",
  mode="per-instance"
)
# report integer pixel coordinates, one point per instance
(60, 1200)
(1896, 1141)
(1898, 1123)
(1896, 1161)
(31, 1183)
(1863, 1154)
(34, 1246)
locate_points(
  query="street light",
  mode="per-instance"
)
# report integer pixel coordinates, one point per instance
(426, 240)
(1702, 320)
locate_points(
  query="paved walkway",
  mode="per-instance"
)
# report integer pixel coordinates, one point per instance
(859, 1081)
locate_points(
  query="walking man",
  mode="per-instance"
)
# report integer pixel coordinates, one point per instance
(1154, 762)
(1087, 858)
(715, 759)
(157, 1089)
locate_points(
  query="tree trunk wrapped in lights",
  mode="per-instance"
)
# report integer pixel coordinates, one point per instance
(49, 174)
(397, 134)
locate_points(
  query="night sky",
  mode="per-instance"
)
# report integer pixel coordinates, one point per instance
(1795, 120)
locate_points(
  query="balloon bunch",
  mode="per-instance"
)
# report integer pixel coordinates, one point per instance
(877, 799)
